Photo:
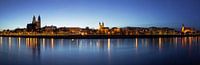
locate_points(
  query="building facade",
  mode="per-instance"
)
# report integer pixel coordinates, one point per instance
(35, 25)
(186, 30)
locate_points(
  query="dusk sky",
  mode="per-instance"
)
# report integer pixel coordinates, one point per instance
(114, 13)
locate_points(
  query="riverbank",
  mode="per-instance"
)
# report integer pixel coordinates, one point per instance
(97, 36)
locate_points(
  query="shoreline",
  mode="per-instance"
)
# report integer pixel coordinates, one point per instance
(97, 36)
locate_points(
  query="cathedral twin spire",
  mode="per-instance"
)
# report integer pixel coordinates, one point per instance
(36, 23)
(34, 19)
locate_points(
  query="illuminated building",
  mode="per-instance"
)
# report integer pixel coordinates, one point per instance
(20, 30)
(102, 29)
(74, 30)
(101, 25)
(115, 30)
(35, 28)
(186, 30)
(49, 29)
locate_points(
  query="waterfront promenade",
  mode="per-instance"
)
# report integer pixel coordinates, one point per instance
(97, 36)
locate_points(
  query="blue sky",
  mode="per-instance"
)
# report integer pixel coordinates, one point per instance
(114, 13)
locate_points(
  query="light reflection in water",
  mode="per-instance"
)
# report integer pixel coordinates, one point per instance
(108, 43)
(34, 43)
(196, 38)
(9, 42)
(190, 41)
(185, 41)
(160, 42)
(118, 42)
(19, 42)
(27, 42)
(61, 41)
(146, 42)
(52, 43)
(153, 42)
(136, 42)
(176, 41)
(90, 43)
(43, 43)
(109, 52)
(1, 41)
(142, 42)
(100, 43)
(80, 44)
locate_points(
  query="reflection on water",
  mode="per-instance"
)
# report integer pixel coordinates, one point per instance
(52, 42)
(109, 43)
(136, 42)
(97, 43)
(43, 43)
(49, 49)
(1, 41)
(19, 42)
(10, 41)
(160, 42)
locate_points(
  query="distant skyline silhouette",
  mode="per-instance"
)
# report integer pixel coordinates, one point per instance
(114, 13)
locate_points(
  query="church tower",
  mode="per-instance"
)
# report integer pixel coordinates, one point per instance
(35, 25)
(34, 19)
(39, 21)
(182, 28)
(101, 25)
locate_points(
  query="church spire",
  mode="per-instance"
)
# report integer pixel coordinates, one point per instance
(103, 24)
(39, 19)
(182, 28)
(34, 19)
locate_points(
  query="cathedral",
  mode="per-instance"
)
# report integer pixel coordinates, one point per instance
(35, 25)
(101, 25)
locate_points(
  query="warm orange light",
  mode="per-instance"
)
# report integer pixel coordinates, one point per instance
(27, 42)
(160, 42)
(136, 42)
(31, 42)
(109, 53)
(109, 43)
(190, 41)
(43, 42)
(19, 42)
(52, 43)
(185, 40)
(9, 42)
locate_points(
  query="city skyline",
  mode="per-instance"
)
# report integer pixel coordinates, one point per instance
(99, 32)
(34, 28)
(115, 13)
(38, 19)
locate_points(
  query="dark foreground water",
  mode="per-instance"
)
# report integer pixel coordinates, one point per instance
(138, 51)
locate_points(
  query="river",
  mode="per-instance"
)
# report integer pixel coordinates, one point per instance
(138, 51)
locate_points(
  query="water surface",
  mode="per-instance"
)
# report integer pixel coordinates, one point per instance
(139, 51)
